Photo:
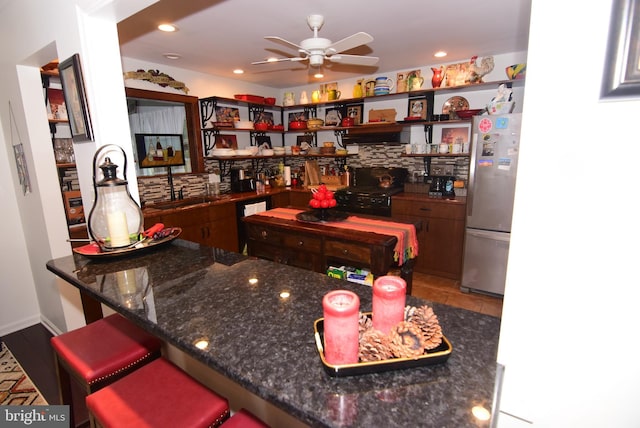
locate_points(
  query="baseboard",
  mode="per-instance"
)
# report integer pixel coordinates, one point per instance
(50, 326)
(19, 325)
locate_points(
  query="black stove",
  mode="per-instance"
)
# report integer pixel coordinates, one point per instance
(372, 191)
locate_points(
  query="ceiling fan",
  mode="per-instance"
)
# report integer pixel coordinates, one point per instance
(317, 49)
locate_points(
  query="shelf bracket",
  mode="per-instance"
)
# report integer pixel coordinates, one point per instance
(340, 133)
(428, 133)
(208, 136)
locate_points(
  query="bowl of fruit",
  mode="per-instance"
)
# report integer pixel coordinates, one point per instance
(322, 201)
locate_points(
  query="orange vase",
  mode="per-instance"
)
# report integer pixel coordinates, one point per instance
(438, 76)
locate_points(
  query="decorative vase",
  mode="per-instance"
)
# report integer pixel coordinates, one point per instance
(438, 76)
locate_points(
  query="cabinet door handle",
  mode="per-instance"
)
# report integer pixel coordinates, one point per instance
(300, 243)
(425, 209)
(264, 234)
(345, 251)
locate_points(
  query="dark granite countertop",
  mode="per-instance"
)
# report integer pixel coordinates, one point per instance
(265, 342)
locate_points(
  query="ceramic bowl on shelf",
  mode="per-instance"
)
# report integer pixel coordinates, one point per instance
(279, 151)
(314, 123)
(468, 114)
(243, 124)
(270, 100)
(267, 152)
(261, 126)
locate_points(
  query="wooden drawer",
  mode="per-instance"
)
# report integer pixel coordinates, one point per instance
(302, 242)
(284, 239)
(346, 251)
(430, 209)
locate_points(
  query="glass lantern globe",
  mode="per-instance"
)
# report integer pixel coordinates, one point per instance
(115, 220)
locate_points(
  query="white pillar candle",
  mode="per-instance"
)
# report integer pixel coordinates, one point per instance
(287, 176)
(118, 229)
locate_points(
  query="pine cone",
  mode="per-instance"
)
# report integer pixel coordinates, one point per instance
(406, 340)
(364, 324)
(374, 346)
(427, 321)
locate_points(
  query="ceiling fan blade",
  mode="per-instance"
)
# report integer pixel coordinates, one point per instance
(350, 42)
(353, 59)
(284, 42)
(266, 61)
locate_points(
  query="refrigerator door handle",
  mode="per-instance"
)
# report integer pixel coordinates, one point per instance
(472, 173)
(489, 235)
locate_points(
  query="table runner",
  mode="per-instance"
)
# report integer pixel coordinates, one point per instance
(406, 247)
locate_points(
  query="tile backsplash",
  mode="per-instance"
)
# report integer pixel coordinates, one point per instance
(156, 189)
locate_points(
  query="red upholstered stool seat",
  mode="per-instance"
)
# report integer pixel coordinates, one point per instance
(244, 419)
(157, 395)
(100, 353)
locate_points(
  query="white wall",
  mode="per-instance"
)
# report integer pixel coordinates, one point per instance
(34, 226)
(570, 320)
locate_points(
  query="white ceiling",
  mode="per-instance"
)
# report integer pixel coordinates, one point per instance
(217, 36)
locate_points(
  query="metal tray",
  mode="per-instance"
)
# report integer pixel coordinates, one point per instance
(434, 356)
(93, 251)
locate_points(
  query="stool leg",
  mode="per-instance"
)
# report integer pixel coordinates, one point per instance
(64, 388)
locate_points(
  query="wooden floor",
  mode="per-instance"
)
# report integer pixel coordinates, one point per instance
(32, 349)
(447, 291)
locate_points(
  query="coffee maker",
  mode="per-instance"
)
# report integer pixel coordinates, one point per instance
(442, 183)
(241, 181)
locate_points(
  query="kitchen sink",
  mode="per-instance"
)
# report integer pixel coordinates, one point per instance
(180, 203)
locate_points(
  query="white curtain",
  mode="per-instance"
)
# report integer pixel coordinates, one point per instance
(167, 120)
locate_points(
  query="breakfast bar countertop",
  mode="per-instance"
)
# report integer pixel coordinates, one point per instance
(263, 338)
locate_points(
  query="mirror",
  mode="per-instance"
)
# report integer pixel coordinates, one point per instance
(160, 113)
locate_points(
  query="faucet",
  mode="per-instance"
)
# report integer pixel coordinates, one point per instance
(170, 181)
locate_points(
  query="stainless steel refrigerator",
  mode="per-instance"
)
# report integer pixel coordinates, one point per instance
(495, 143)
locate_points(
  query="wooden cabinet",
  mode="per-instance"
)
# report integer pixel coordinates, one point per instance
(299, 199)
(441, 240)
(280, 200)
(303, 251)
(214, 225)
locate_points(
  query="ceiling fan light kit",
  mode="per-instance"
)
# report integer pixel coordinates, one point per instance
(317, 49)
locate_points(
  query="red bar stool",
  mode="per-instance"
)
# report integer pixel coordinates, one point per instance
(157, 395)
(244, 419)
(101, 353)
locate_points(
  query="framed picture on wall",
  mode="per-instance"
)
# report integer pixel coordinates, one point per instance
(355, 111)
(417, 108)
(226, 141)
(622, 70)
(75, 98)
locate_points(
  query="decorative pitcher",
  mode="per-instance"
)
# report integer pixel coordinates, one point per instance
(384, 85)
(289, 99)
(438, 76)
(415, 83)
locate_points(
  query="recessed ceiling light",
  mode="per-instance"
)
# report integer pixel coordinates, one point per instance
(318, 75)
(169, 28)
(440, 54)
(272, 59)
(238, 71)
(172, 56)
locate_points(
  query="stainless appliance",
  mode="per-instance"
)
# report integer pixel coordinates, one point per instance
(371, 191)
(492, 181)
(240, 181)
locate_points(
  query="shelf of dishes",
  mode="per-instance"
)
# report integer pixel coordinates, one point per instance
(290, 155)
(410, 94)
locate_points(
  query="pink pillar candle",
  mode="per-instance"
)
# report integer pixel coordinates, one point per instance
(341, 315)
(389, 297)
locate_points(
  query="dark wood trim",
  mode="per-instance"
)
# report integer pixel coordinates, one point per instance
(193, 121)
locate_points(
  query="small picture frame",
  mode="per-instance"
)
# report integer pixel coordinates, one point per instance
(333, 117)
(75, 98)
(299, 115)
(355, 111)
(263, 117)
(227, 114)
(226, 141)
(417, 108)
(304, 139)
(263, 141)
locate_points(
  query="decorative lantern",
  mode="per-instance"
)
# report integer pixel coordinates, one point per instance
(115, 220)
